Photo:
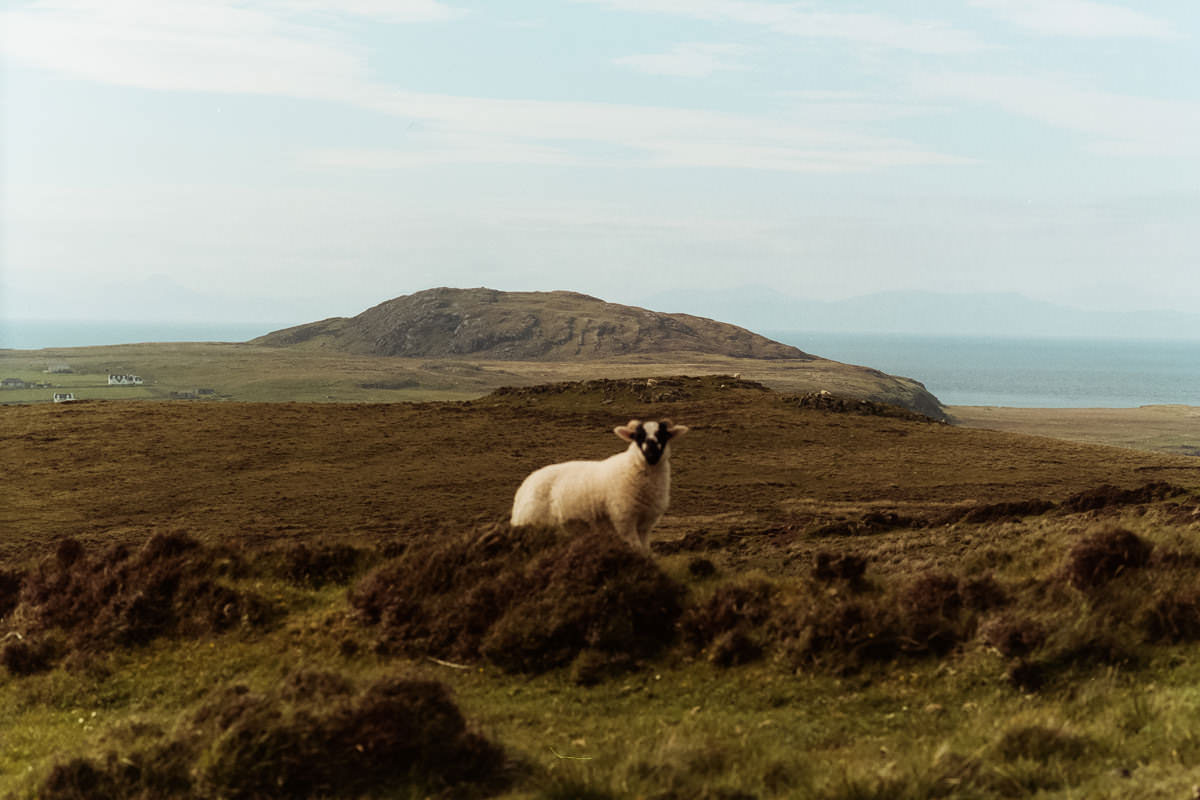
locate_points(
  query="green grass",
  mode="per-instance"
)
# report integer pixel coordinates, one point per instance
(688, 729)
(677, 726)
(268, 374)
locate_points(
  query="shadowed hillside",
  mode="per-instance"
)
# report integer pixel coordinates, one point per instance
(523, 326)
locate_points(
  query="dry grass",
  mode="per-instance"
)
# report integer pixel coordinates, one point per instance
(1167, 429)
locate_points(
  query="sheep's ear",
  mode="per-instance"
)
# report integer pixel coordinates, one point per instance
(627, 432)
(673, 429)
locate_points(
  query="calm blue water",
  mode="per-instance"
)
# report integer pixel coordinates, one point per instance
(36, 334)
(1027, 373)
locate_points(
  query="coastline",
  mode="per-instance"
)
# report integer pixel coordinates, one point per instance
(1173, 429)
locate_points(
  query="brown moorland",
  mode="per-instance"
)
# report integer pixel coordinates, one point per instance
(845, 599)
(760, 467)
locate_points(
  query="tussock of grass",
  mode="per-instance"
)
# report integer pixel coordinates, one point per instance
(171, 585)
(315, 736)
(526, 600)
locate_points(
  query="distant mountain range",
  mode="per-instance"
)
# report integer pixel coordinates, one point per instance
(926, 313)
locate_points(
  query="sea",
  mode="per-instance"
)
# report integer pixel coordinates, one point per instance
(21, 334)
(1023, 372)
(959, 370)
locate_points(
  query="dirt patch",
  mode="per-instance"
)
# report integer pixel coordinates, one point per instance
(316, 737)
(526, 599)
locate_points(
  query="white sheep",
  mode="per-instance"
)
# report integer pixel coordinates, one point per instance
(624, 494)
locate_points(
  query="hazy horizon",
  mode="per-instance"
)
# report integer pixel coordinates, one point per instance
(305, 158)
(756, 308)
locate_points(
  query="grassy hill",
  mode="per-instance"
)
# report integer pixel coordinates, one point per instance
(844, 601)
(260, 373)
(523, 326)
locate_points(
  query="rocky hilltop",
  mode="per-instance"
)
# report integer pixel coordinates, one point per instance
(523, 326)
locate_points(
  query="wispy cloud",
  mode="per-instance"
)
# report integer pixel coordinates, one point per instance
(395, 11)
(606, 134)
(226, 47)
(1114, 124)
(688, 60)
(211, 45)
(1079, 18)
(875, 30)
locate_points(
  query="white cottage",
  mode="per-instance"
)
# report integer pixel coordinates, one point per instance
(64, 397)
(124, 380)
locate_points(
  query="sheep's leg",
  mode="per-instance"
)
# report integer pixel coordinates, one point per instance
(628, 531)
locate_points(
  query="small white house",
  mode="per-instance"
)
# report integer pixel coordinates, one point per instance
(64, 397)
(124, 380)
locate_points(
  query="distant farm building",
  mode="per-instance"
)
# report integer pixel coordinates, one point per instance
(59, 369)
(64, 397)
(124, 380)
(13, 383)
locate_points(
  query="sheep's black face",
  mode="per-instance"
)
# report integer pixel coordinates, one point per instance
(651, 438)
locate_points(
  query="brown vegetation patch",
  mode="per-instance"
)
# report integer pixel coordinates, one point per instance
(26, 657)
(1173, 616)
(396, 735)
(122, 597)
(930, 615)
(319, 564)
(721, 627)
(838, 621)
(1101, 497)
(10, 590)
(1012, 635)
(702, 540)
(1109, 496)
(526, 599)
(1041, 743)
(828, 566)
(671, 389)
(868, 523)
(838, 404)
(1000, 512)
(1101, 556)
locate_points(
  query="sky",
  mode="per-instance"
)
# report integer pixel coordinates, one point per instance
(290, 160)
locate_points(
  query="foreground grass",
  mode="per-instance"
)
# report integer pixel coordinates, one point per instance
(995, 621)
(677, 725)
(688, 729)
